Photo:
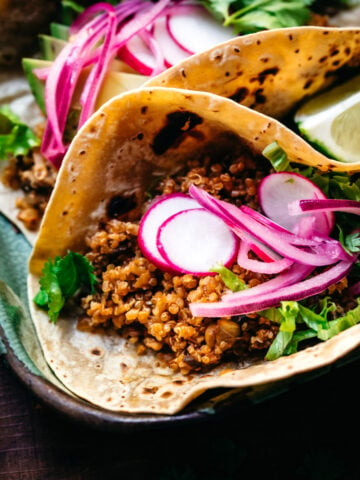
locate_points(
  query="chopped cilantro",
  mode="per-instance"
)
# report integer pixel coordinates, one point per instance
(61, 279)
(15, 137)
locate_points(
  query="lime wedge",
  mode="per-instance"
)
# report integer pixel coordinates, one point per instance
(331, 121)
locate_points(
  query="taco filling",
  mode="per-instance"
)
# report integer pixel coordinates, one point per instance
(150, 307)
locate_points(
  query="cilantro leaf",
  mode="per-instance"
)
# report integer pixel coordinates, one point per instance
(61, 279)
(248, 16)
(15, 137)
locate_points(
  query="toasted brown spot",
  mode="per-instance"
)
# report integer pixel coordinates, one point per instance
(82, 152)
(140, 136)
(240, 94)
(178, 382)
(177, 124)
(150, 390)
(144, 109)
(166, 394)
(323, 59)
(183, 73)
(259, 97)
(308, 84)
(96, 351)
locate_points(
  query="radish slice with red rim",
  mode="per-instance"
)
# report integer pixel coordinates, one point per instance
(159, 211)
(138, 56)
(197, 31)
(172, 52)
(194, 241)
(278, 190)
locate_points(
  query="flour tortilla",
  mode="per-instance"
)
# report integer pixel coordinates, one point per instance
(125, 146)
(272, 71)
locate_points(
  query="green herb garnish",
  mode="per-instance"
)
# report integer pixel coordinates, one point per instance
(248, 16)
(61, 279)
(15, 137)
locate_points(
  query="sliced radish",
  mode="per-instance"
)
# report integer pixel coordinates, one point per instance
(278, 190)
(138, 56)
(197, 31)
(172, 52)
(194, 241)
(159, 211)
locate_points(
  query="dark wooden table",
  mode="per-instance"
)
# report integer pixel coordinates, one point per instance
(309, 432)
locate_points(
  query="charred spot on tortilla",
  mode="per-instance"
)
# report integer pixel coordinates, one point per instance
(239, 95)
(144, 109)
(96, 351)
(120, 205)
(178, 123)
(261, 77)
(308, 83)
(150, 390)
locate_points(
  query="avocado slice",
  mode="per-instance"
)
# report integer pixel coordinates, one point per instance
(37, 86)
(50, 46)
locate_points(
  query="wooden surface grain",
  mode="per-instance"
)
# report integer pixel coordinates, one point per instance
(305, 433)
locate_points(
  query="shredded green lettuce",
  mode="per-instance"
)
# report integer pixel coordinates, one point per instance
(61, 279)
(230, 279)
(294, 317)
(277, 157)
(16, 138)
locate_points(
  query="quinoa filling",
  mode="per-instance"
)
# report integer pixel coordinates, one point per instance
(35, 177)
(150, 308)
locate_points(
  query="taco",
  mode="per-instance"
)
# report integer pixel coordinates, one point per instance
(273, 71)
(246, 69)
(133, 344)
